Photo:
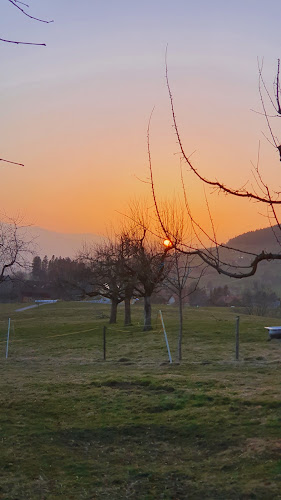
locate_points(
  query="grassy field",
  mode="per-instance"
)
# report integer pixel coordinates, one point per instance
(136, 427)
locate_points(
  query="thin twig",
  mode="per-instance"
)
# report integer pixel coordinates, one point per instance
(22, 43)
(13, 162)
(278, 87)
(241, 193)
(15, 3)
(151, 177)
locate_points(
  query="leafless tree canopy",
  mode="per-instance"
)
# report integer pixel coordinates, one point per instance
(109, 276)
(130, 266)
(15, 249)
(226, 260)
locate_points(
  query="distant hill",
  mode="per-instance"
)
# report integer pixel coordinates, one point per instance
(59, 244)
(68, 244)
(268, 273)
(261, 239)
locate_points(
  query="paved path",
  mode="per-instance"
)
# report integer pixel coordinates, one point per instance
(25, 308)
(39, 303)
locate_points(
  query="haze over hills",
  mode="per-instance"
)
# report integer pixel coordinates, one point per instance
(268, 273)
(68, 244)
(50, 243)
(59, 244)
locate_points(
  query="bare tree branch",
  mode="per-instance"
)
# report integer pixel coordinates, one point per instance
(21, 43)
(216, 257)
(242, 193)
(15, 3)
(13, 162)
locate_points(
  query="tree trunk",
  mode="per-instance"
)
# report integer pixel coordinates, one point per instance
(113, 311)
(127, 319)
(180, 327)
(147, 314)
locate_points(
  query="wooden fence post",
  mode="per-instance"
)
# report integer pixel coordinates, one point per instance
(104, 343)
(237, 339)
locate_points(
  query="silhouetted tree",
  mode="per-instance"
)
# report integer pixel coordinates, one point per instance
(107, 273)
(36, 268)
(259, 299)
(15, 249)
(218, 295)
(44, 269)
(149, 268)
(197, 296)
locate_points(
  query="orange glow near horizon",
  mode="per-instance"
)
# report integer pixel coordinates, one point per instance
(76, 114)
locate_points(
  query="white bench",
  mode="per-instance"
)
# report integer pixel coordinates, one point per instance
(274, 332)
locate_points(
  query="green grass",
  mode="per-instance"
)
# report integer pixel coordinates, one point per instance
(75, 427)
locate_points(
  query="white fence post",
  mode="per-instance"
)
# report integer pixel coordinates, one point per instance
(166, 338)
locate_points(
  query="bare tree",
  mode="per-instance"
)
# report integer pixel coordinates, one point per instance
(127, 251)
(125, 268)
(259, 299)
(109, 277)
(224, 259)
(148, 264)
(15, 249)
(148, 267)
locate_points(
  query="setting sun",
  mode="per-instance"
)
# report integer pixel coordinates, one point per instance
(167, 243)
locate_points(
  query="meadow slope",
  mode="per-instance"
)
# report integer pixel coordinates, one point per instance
(134, 426)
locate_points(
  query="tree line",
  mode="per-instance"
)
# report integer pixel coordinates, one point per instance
(111, 270)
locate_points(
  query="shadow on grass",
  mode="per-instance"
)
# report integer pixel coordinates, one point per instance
(152, 461)
(191, 434)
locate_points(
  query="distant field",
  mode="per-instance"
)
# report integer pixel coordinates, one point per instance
(135, 427)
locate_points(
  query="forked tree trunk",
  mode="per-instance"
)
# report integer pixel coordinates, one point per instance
(113, 311)
(147, 313)
(180, 327)
(127, 319)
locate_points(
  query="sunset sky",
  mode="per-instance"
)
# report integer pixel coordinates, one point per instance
(75, 112)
